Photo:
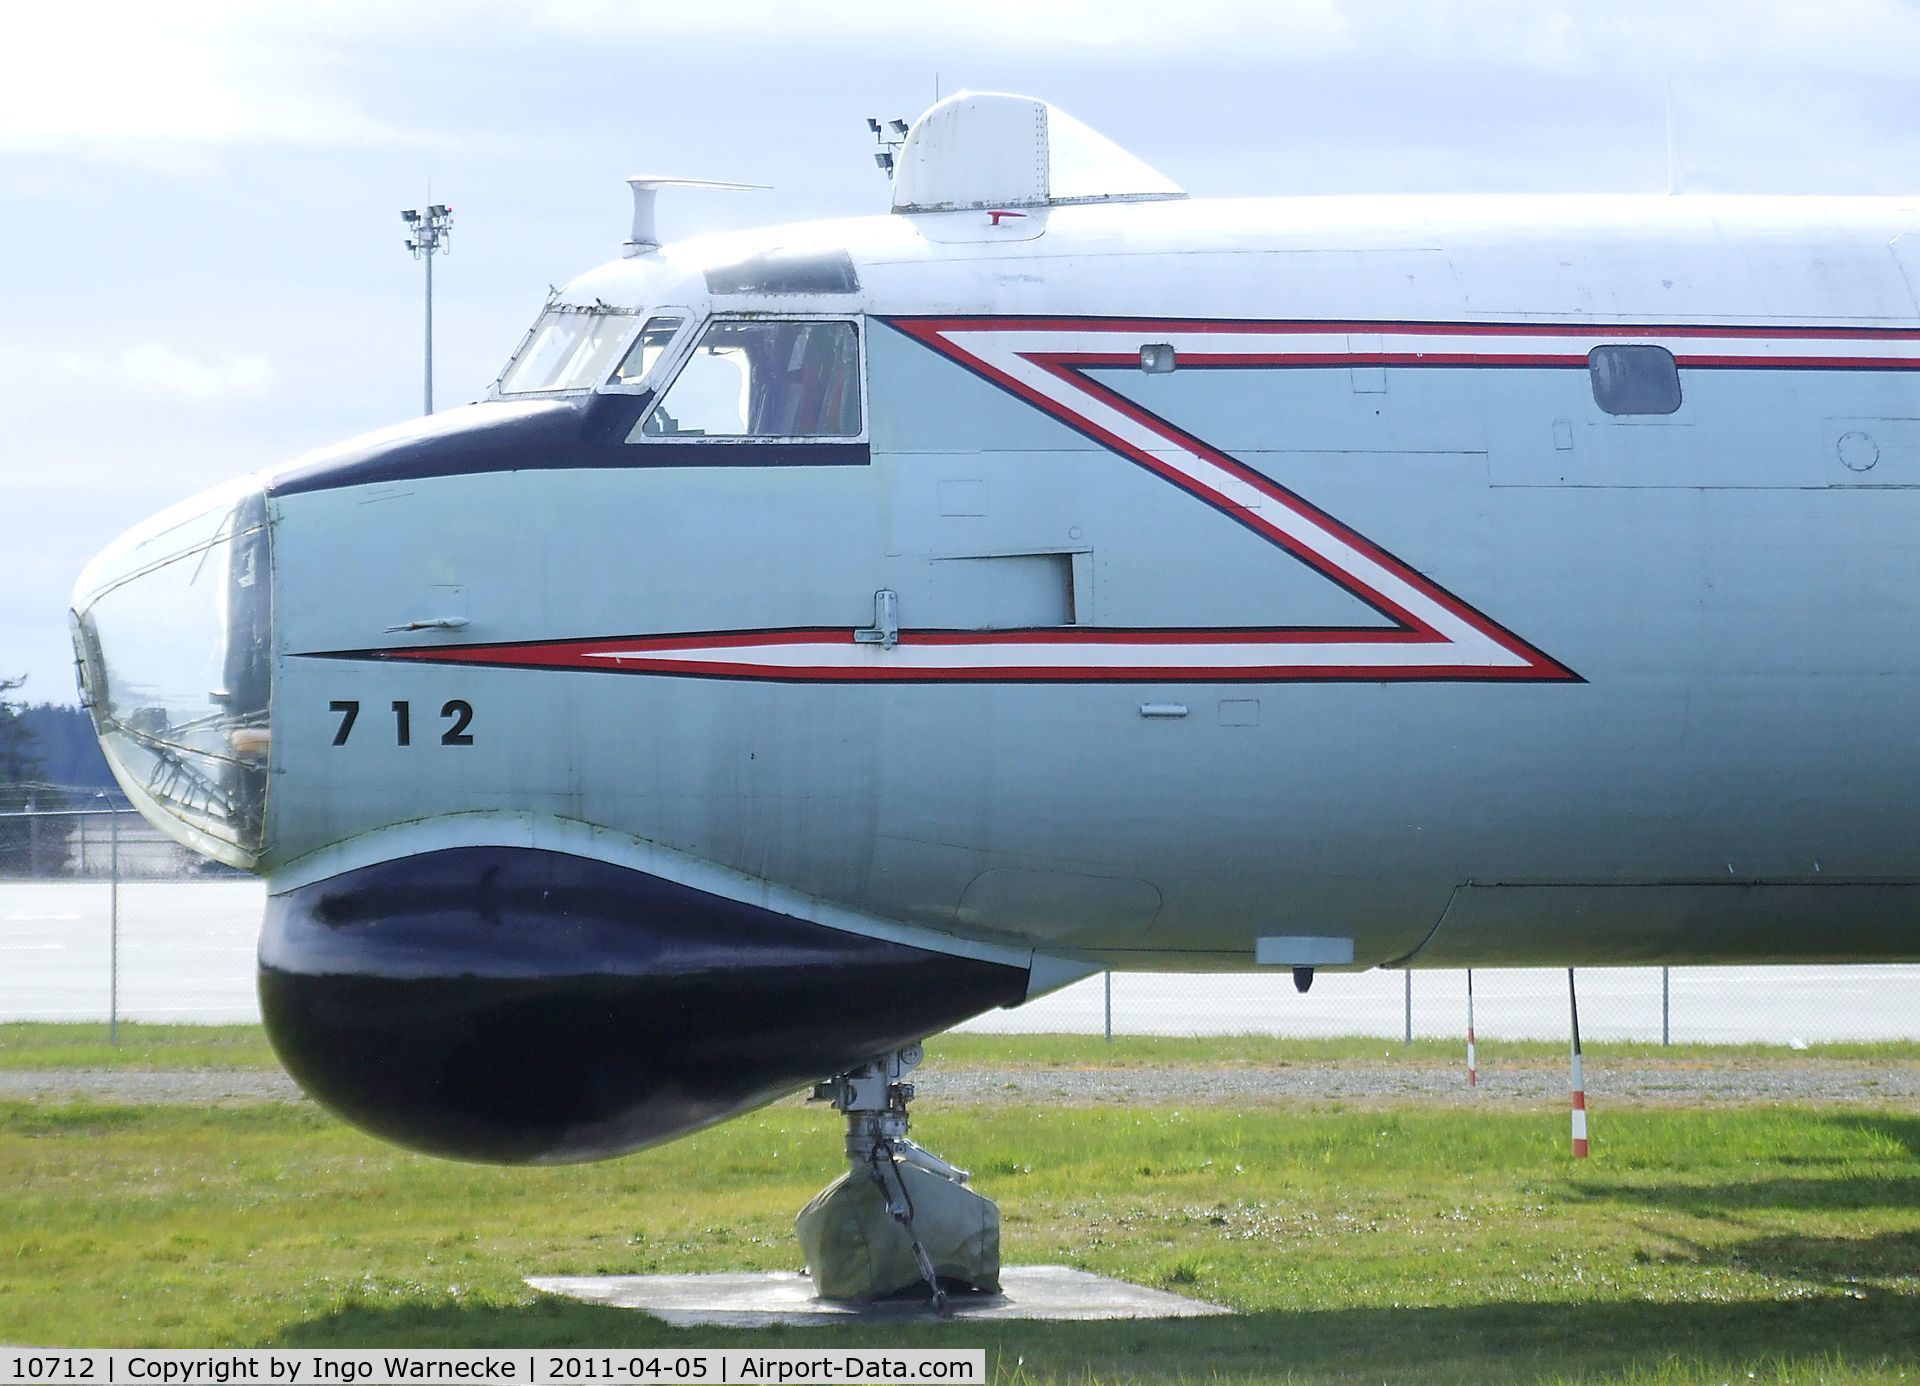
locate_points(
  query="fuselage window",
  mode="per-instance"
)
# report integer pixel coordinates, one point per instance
(646, 351)
(1634, 379)
(765, 378)
(568, 349)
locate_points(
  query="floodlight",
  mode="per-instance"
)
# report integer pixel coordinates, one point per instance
(889, 137)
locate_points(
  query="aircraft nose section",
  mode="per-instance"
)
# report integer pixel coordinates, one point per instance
(523, 1006)
(172, 639)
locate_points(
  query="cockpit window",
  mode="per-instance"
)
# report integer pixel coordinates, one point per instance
(646, 351)
(568, 349)
(765, 378)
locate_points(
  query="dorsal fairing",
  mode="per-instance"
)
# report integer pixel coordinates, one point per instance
(991, 149)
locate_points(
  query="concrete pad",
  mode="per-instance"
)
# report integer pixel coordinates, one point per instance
(764, 1299)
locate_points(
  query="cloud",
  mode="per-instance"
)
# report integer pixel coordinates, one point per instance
(1305, 27)
(141, 83)
(159, 372)
(176, 86)
(1467, 35)
(1856, 36)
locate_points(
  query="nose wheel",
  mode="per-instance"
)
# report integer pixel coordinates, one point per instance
(901, 1218)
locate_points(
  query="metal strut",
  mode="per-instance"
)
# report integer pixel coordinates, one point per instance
(900, 1206)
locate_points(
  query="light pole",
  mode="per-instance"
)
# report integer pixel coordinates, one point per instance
(428, 231)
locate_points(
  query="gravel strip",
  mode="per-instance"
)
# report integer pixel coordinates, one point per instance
(140, 1087)
(1644, 1082)
(1654, 1082)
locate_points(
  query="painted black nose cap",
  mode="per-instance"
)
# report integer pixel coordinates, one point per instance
(525, 1006)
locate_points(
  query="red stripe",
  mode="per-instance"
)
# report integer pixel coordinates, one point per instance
(1225, 635)
(935, 338)
(1312, 514)
(995, 673)
(1696, 360)
(1188, 443)
(651, 654)
(595, 649)
(927, 328)
(521, 650)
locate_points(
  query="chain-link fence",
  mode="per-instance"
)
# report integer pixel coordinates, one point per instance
(1681, 1005)
(64, 833)
(103, 917)
(100, 915)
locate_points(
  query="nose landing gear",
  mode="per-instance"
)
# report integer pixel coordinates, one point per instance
(901, 1216)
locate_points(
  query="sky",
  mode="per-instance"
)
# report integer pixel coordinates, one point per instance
(201, 261)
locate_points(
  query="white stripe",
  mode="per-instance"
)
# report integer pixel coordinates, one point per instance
(1579, 1124)
(1173, 658)
(1000, 346)
(1011, 352)
(1008, 353)
(1464, 646)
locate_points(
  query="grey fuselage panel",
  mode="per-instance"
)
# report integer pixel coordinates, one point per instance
(1679, 725)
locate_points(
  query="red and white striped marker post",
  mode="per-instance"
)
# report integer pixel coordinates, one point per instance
(1579, 1077)
(1473, 1071)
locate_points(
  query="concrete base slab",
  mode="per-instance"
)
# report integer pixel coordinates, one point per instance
(764, 1299)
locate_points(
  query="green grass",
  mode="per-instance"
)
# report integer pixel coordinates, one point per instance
(30, 1045)
(1431, 1244)
(59, 1045)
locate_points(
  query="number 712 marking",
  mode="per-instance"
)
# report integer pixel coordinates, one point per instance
(458, 713)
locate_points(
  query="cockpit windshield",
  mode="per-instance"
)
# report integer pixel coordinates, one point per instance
(568, 349)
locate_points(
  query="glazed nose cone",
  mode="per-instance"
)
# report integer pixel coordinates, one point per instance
(172, 638)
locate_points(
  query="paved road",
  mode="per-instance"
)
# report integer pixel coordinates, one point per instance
(187, 953)
(186, 950)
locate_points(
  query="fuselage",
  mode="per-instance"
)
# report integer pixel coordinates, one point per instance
(1397, 581)
(1734, 595)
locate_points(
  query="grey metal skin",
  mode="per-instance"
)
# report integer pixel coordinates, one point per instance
(1729, 779)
